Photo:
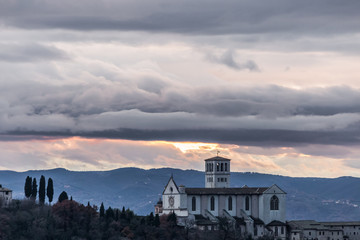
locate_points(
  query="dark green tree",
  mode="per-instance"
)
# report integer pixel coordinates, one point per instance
(117, 214)
(28, 187)
(123, 213)
(150, 219)
(102, 210)
(172, 219)
(50, 190)
(63, 196)
(109, 213)
(34, 189)
(42, 190)
(157, 220)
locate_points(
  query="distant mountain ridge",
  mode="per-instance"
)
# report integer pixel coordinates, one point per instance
(322, 199)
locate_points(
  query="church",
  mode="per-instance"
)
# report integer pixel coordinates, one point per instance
(256, 211)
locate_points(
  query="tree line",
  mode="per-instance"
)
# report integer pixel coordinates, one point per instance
(31, 189)
(68, 219)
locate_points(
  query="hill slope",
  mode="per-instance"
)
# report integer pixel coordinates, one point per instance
(322, 199)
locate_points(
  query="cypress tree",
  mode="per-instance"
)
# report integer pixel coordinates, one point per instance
(50, 190)
(34, 189)
(150, 219)
(28, 187)
(102, 210)
(172, 219)
(157, 220)
(109, 213)
(42, 190)
(123, 213)
(63, 196)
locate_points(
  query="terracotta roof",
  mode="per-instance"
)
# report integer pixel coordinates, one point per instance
(257, 221)
(201, 220)
(5, 190)
(217, 158)
(341, 223)
(226, 191)
(239, 221)
(276, 223)
(306, 224)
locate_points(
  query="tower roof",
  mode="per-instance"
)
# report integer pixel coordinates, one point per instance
(217, 158)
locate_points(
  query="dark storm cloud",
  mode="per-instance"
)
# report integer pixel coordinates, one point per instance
(159, 96)
(205, 17)
(251, 137)
(154, 108)
(30, 53)
(228, 59)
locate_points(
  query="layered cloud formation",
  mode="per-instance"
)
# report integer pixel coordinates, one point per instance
(242, 74)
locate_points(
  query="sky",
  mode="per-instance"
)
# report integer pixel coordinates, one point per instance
(103, 84)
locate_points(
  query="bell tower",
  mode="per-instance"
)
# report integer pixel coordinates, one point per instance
(217, 172)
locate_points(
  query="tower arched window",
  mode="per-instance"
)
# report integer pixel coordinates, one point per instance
(193, 204)
(274, 203)
(217, 167)
(222, 166)
(212, 203)
(226, 167)
(247, 203)
(230, 204)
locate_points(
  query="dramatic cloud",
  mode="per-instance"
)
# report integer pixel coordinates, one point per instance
(259, 76)
(204, 17)
(228, 59)
(30, 53)
(95, 154)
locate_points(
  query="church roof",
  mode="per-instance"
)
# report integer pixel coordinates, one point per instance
(217, 158)
(226, 191)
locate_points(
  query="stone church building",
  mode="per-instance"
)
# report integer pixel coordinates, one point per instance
(256, 211)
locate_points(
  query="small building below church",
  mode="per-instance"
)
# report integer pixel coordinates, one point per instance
(255, 211)
(5, 196)
(313, 230)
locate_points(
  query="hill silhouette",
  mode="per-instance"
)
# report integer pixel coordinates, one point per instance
(322, 199)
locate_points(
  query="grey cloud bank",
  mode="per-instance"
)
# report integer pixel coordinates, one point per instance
(65, 84)
(204, 17)
(160, 110)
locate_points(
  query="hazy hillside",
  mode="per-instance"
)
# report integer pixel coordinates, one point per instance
(138, 189)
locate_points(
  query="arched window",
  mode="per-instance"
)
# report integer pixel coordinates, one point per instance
(247, 203)
(217, 167)
(230, 204)
(193, 201)
(212, 203)
(274, 203)
(222, 166)
(226, 167)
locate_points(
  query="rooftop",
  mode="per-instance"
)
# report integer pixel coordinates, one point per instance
(217, 158)
(226, 191)
(2, 189)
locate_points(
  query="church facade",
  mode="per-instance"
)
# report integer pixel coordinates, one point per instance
(256, 211)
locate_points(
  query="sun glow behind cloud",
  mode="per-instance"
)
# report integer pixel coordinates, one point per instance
(191, 146)
(85, 154)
